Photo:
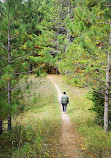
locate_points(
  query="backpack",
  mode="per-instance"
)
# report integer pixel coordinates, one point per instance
(64, 99)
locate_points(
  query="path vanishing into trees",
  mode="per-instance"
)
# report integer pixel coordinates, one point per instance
(68, 138)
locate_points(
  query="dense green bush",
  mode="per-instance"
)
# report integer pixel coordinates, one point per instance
(98, 104)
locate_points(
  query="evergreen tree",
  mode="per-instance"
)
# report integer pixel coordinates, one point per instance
(17, 44)
(87, 58)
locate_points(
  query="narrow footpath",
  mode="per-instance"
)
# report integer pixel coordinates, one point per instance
(68, 139)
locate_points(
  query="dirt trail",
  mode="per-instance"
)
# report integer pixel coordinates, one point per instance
(68, 139)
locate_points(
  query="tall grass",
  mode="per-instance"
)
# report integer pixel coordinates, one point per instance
(92, 140)
(36, 130)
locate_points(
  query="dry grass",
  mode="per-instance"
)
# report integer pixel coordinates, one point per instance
(92, 139)
(36, 130)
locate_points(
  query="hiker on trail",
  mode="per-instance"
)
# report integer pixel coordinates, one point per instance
(64, 101)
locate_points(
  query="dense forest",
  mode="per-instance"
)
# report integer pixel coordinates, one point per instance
(69, 37)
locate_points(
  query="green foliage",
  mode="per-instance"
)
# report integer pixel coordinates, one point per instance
(98, 104)
(34, 100)
(41, 73)
(24, 151)
(85, 60)
(21, 49)
(4, 108)
(32, 39)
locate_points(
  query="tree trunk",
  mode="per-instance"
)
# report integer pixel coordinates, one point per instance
(9, 82)
(9, 102)
(31, 67)
(1, 127)
(68, 39)
(106, 105)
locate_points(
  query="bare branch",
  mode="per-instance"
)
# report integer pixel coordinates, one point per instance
(18, 87)
(13, 37)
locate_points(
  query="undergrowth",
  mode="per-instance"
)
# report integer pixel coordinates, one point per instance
(36, 130)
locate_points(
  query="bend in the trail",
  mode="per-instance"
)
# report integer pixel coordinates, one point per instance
(68, 139)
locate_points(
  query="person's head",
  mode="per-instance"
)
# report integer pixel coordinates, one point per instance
(64, 92)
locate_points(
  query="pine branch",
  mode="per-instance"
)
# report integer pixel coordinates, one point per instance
(93, 79)
(97, 17)
(103, 19)
(3, 17)
(93, 68)
(96, 79)
(108, 5)
(28, 71)
(4, 48)
(102, 22)
(4, 35)
(103, 63)
(22, 57)
(92, 89)
(86, 84)
(94, 57)
(107, 2)
(4, 59)
(108, 13)
(4, 90)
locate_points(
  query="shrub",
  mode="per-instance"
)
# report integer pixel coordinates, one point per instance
(98, 105)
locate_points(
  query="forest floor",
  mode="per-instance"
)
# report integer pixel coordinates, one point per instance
(68, 136)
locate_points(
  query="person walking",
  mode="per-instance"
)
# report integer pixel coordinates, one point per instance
(64, 102)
